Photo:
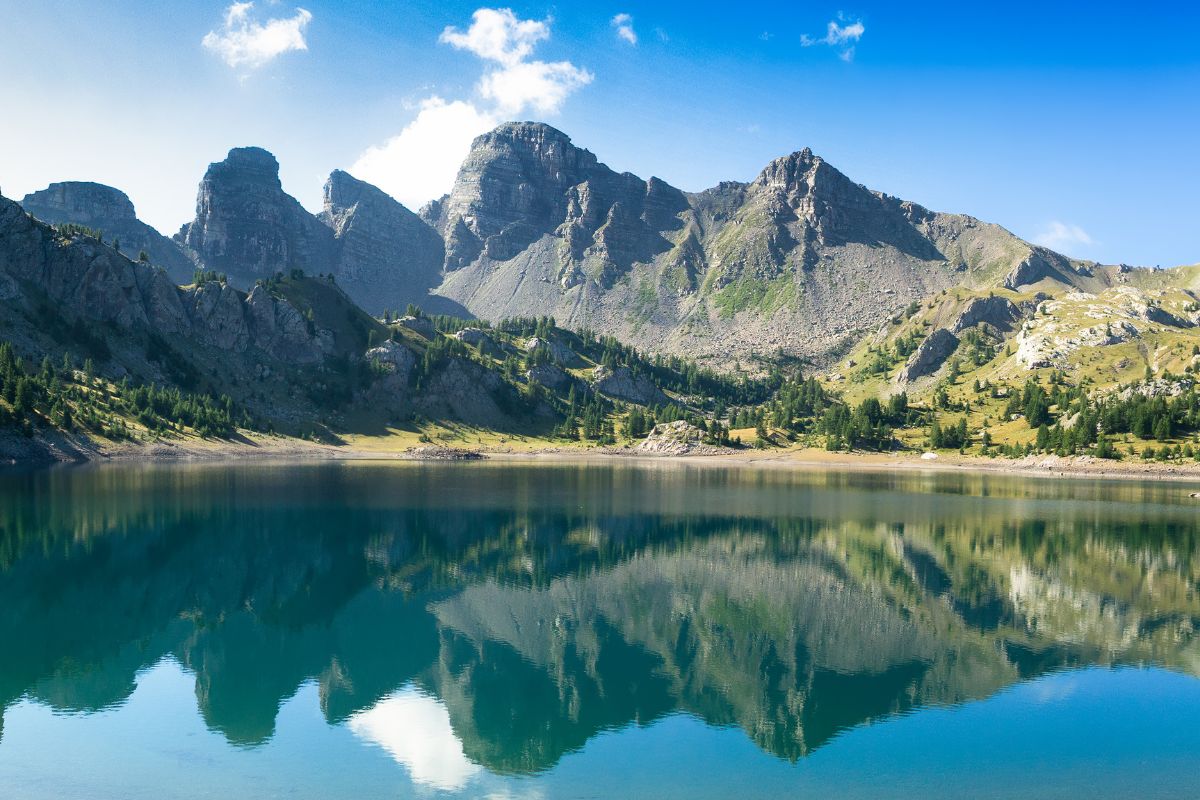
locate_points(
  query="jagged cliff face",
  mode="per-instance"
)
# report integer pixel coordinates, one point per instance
(110, 211)
(526, 182)
(247, 227)
(383, 254)
(801, 261)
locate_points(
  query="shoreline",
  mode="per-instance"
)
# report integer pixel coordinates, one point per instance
(274, 448)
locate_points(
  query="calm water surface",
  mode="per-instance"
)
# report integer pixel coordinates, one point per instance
(614, 630)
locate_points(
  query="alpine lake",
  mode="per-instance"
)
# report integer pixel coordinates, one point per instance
(594, 629)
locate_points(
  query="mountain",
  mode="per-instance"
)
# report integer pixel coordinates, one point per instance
(248, 228)
(384, 255)
(591, 289)
(799, 262)
(72, 291)
(109, 211)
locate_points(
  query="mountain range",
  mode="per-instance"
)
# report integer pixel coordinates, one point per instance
(547, 292)
(801, 262)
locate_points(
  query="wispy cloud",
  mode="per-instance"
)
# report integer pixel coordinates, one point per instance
(623, 24)
(843, 36)
(245, 43)
(1063, 236)
(420, 162)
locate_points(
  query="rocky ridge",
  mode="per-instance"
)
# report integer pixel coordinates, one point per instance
(109, 211)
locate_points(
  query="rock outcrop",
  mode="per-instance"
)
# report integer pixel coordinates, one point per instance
(679, 438)
(929, 355)
(109, 211)
(997, 312)
(552, 376)
(559, 352)
(622, 383)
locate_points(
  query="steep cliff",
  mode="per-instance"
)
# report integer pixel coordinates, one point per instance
(247, 227)
(384, 255)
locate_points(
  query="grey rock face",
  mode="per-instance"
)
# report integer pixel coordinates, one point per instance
(929, 355)
(472, 336)
(998, 312)
(110, 211)
(622, 384)
(524, 181)
(420, 325)
(481, 339)
(247, 227)
(464, 391)
(1040, 264)
(384, 255)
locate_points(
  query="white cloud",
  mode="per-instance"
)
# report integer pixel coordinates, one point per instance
(420, 163)
(532, 85)
(497, 35)
(415, 730)
(842, 36)
(623, 23)
(245, 42)
(1063, 236)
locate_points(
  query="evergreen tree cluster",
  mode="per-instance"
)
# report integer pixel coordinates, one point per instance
(69, 399)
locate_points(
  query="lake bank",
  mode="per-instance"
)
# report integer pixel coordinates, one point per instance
(400, 446)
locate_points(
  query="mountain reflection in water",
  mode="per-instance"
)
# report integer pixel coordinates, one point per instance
(513, 612)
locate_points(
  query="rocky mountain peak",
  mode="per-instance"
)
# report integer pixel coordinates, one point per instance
(536, 141)
(246, 225)
(800, 173)
(383, 254)
(247, 164)
(343, 191)
(81, 202)
(525, 180)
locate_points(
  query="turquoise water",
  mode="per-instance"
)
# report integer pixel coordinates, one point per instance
(597, 630)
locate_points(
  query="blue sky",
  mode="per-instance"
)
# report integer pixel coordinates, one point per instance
(1075, 124)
